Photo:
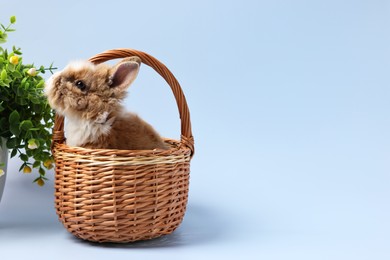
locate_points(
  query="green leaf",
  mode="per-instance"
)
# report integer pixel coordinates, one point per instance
(26, 125)
(11, 67)
(41, 171)
(40, 84)
(37, 108)
(23, 82)
(36, 164)
(17, 74)
(3, 75)
(21, 167)
(20, 92)
(23, 157)
(4, 37)
(15, 130)
(12, 143)
(12, 19)
(16, 50)
(34, 99)
(14, 152)
(14, 118)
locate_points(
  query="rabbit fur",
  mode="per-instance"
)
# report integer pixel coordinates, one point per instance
(90, 96)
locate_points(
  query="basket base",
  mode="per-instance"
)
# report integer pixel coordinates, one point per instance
(121, 236)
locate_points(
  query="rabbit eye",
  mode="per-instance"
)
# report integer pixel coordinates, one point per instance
(80, 85)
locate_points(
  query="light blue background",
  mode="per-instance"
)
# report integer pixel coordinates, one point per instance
(290, 109)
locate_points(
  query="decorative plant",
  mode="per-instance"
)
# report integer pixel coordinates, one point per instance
(25, 116)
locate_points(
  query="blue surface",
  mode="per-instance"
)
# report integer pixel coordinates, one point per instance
(290, 109)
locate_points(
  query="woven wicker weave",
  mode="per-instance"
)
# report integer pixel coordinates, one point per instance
(107, 195)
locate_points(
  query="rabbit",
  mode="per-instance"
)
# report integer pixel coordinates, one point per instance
(90, 96)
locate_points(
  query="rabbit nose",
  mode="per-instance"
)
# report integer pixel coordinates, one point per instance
(81, 103)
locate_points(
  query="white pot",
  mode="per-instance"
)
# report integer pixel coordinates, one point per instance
(3, 160)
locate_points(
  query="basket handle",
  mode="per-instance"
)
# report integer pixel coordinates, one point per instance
(186, 132)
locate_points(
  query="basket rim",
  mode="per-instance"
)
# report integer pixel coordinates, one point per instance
(176, 148)
(187, 138)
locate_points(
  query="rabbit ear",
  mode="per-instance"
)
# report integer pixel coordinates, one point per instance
(124, 73)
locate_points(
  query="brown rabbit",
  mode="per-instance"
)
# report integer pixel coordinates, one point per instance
(90, 96)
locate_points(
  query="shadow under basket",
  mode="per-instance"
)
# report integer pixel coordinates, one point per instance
(107, 195)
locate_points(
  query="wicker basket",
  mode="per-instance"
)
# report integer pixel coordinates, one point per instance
(107, 195)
